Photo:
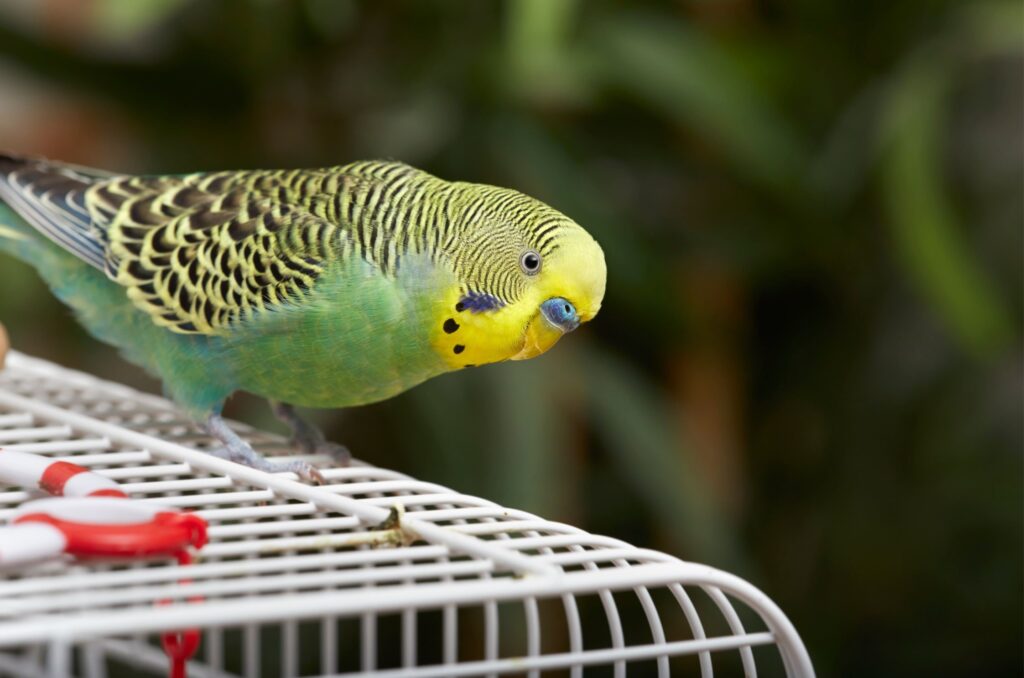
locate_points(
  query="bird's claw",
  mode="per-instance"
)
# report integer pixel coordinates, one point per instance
(303, 469)
(339, 453)
(309, 439)
(245, 455)
(315, 444)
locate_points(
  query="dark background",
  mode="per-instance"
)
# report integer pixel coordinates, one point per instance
(807, 370)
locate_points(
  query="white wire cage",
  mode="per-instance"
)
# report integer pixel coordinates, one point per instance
(371, 573)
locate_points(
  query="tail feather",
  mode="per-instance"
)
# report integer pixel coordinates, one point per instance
(17, 237)
(51, 198)
(11, 234)
(9, 162)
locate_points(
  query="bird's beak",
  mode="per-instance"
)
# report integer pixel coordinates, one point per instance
(540, 336)
(555, 317)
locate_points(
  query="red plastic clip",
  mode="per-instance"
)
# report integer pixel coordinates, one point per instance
(180, 646)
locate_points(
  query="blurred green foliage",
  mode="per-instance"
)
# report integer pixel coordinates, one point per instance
(808, 366)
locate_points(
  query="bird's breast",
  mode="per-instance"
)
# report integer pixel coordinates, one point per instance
(361, 337)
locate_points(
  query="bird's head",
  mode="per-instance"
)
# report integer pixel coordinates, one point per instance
(525, 276)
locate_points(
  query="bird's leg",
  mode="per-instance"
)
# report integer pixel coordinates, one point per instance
(237, 450)
(307, 437)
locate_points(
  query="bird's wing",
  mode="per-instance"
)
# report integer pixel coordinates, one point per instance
(202, 252)
(197, 252)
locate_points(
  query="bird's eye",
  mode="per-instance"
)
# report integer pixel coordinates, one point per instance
(530, 262)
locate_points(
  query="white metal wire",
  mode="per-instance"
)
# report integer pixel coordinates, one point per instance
(372, 572)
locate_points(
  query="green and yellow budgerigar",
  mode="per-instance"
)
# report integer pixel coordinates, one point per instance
(321, 288)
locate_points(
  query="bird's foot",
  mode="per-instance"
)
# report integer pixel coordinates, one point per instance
(309, 439)
(237, 450)
(245, 455)
(339, 453)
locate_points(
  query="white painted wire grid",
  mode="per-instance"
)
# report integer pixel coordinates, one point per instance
(371, 573)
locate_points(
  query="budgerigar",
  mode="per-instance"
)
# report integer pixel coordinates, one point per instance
(321, 288)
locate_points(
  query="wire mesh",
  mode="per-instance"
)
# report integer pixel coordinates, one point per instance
(371, 572)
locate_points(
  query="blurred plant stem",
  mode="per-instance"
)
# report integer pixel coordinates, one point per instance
(5, 345)
(708, 381)
(929, 241)
(540, 65)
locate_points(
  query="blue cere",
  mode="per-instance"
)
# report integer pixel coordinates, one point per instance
(561, 313)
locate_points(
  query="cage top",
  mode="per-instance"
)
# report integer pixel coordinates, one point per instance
(369, 540)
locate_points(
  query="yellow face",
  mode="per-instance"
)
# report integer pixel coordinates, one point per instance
(559, 281)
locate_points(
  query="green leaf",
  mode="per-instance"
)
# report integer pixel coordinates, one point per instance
(539, 63)
(689, 79)
(994, 28)
(127, 19)
(929, 242)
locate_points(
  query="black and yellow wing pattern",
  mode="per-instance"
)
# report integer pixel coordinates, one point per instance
(196, 252)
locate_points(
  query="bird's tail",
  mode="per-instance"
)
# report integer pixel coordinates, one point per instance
(41, 199)
(16, 237)
(10, 231)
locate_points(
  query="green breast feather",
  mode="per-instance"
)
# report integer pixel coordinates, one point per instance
(359, 337)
